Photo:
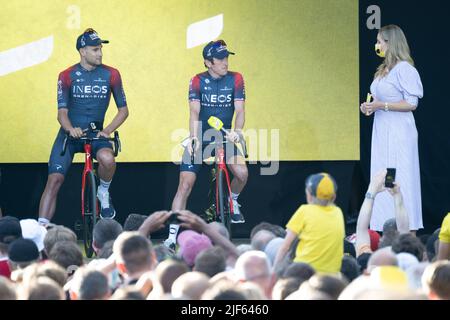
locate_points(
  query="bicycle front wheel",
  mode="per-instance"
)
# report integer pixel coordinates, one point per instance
(224, 201)
(90, 207)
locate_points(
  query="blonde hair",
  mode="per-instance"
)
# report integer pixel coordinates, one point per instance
(398, 49)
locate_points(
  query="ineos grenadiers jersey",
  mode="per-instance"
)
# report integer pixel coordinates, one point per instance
(86, 94)
(217, 96)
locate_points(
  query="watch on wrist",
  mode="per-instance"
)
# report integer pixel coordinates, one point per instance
(386, 107)
(370, 196)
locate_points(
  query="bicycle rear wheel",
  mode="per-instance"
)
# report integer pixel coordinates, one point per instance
(90, 212)
(224, 201)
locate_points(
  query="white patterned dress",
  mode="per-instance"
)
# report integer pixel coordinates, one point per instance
(394, 144)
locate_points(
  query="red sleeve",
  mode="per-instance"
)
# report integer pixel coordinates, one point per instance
(194, 89)
(64, 82)
(239, 87)
(117, 87)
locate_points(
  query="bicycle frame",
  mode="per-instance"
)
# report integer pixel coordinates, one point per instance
(221, 166)
(88, 167)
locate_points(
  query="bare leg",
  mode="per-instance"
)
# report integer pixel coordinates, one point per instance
(47, 205)
(240, 172)
(187, 180)
(106, 164)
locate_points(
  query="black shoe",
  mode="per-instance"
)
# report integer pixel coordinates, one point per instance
(237, 218)
(107, 212)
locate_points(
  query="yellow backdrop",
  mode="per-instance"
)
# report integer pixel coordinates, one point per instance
(299, 59)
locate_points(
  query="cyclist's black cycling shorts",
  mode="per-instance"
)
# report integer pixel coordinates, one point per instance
(205, 152)
(61, 164)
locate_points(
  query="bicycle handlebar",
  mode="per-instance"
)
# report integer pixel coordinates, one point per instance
(241, 141)
(116, 140)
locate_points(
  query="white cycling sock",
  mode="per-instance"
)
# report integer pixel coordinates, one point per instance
(43, 221)
(104, 186)
(235, 196)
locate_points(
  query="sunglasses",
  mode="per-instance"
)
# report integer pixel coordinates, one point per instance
(89, 31)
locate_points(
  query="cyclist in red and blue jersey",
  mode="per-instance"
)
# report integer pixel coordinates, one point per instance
(84, 92)
(220, 93)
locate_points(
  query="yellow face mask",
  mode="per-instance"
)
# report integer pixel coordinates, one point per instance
(378, 51)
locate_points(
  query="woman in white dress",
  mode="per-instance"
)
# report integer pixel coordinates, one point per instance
(396, 90)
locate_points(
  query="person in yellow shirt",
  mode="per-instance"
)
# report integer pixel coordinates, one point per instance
(444, 240)
(319, 225)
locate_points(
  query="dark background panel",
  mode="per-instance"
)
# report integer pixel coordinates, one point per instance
(146, 187)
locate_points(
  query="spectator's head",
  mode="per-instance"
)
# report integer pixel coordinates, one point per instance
(22, 253)
(220, 228)
(162, 252)
(355, 288)
(58, 234)
(191, 244)
(134, 221)
(390, 233)
(190, 285)
(7, 289)
(68, 255)
(331, 286)
(436, 280)
(10, 230)
(320, 189)
(350, 268)
(389, 278)
(251, 291)
(167, 272)
(272, 248)
(432, 245)
(278, 231)
(254, 266)
(211, 261)
(106, 251)
(31, 229)
(47, 268)
(134, 254)
(409, 243)
(390, 228)
(242, 248)
(299, 270)
(414, 274)
(127, 293)
(284, 287)
(41, 288)
(406, 260)
(261, 239)
(88, 284)
(224, 291)
(105, 230)
(382, 257)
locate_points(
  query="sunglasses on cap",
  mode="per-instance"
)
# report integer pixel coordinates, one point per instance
(89, 31)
